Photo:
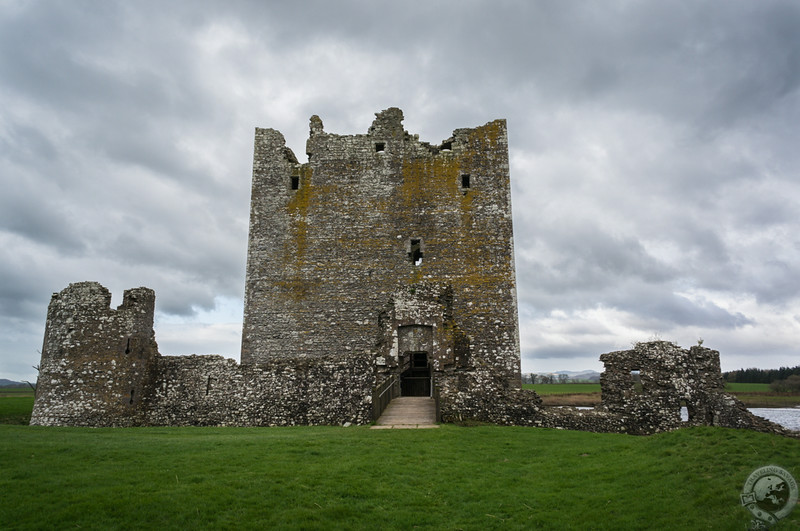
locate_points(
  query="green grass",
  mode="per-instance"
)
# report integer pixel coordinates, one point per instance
(563, 389)
(354, 478)
(747, 387)
(485, 477)
(16, 409)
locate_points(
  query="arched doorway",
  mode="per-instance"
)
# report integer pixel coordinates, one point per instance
(416, 379)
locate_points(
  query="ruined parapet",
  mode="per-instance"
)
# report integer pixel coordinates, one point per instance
(647, 386)
(97, 366)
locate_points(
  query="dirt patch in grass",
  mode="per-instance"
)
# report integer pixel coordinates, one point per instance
(575, 400)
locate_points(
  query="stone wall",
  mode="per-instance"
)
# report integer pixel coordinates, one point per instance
(101, 367)
(214, 391)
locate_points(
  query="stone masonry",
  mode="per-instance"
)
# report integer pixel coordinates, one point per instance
(382, 267)
(333, 240)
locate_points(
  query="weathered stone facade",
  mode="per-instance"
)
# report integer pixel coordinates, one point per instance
(333, 240)
(383, 266)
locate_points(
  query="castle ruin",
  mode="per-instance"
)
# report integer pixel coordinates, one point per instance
(383, 266)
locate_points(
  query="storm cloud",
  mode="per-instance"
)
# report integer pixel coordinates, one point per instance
(653, 151)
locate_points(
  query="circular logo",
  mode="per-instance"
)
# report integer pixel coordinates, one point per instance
(770, 493)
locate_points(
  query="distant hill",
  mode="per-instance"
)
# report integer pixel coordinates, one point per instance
(9, 383)
(582, 376)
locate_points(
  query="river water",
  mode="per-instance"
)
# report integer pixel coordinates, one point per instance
(788, 417)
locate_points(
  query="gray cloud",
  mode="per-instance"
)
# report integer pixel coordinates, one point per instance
(653, 152)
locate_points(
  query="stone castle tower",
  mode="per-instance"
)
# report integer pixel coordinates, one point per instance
(382, 267)
(374, 221)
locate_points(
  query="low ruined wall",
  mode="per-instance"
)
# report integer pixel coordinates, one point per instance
(101, 367)
(481, 395)
(646, 386)
(214, 391)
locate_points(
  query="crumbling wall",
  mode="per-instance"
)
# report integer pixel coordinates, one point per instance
(98, 363)
(101, 367)
(647, 386)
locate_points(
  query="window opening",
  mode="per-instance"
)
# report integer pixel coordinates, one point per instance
(447, 146)
(379, 146)
(128, 347)
(295, 182)
(131, 401)
(686, 412)
(465, 180)
(415, 253)
(636, 377)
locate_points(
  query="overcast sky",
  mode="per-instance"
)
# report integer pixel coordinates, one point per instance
(655, 156)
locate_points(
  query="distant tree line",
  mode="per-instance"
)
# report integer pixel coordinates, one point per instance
(533, 378)
(754, 375)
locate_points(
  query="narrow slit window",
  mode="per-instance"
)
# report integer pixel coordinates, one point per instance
(379, 146)
(415, 252)
(465, 180)
(295, 182)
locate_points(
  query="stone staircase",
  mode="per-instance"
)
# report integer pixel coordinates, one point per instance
(408, 412)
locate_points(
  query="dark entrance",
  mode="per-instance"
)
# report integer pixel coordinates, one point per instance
(416, 379)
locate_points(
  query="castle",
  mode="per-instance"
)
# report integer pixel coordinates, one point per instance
(383, 266)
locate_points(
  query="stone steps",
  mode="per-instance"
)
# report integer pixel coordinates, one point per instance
(408, 412)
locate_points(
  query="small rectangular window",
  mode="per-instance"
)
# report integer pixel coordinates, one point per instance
(379, 146)
(447, 146)
(465, 180)
(295, 182)
(415, 252)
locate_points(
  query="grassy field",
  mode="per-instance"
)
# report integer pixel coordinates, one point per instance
(15, 409)
(453, 477)
(584, 394)
(355, 478)
(16, 391)
(564, 389)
